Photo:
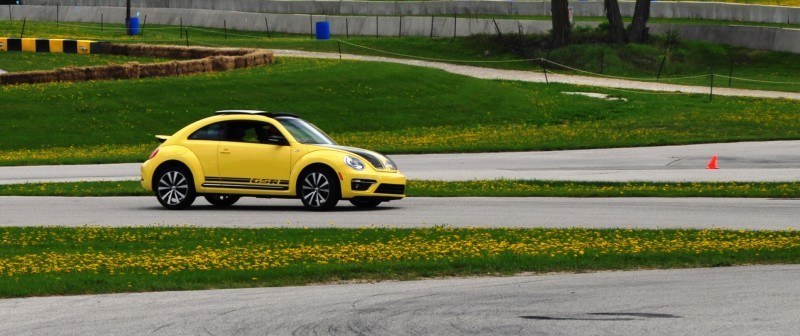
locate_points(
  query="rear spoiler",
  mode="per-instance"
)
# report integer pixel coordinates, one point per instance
(162, 138)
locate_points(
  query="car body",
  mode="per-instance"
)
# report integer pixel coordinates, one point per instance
(240, 153)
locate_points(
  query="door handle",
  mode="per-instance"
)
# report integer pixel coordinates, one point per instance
(225, 151)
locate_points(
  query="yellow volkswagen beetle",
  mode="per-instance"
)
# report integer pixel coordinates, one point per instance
(240, 153)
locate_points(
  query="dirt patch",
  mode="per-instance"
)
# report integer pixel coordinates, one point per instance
(194, 60)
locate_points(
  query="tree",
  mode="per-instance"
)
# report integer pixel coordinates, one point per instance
(641, 13)
(616, 27)
(561, 26)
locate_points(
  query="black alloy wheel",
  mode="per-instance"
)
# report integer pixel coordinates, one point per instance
(175, 188)
(319, 189)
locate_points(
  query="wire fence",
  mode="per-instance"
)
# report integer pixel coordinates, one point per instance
(216, 38)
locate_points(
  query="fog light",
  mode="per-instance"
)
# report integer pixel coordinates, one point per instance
(361, 184)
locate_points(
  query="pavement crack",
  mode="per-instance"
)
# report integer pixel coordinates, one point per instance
(162, 327)
(673, 161)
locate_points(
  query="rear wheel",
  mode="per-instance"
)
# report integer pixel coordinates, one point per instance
(222, 200)
(365, 202)
(175, 188)
(319, 189)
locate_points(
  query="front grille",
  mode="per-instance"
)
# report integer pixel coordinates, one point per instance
(395, 189)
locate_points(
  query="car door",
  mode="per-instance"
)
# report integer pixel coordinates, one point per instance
(255, 156)
(204, 144)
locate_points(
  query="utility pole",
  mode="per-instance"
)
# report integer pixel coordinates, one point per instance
(128, 17)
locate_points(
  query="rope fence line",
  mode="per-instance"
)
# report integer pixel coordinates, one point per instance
(540, 60)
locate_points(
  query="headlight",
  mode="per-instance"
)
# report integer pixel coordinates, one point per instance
(389, 164)
(354, 162)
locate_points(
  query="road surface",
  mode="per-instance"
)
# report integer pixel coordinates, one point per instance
(753, 300)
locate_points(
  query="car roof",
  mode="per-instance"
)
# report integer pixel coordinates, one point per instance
(256, 112)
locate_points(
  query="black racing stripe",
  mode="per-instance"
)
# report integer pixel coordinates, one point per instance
(244, 186)
(227, 179)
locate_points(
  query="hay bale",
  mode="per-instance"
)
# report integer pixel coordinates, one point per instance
(193, 66)
(222, 63)
(200, 60)
(165, 69)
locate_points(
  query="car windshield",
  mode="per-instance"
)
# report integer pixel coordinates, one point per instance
(305, 132)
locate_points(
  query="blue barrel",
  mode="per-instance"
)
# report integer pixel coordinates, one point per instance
(134, 26)
(323, 30)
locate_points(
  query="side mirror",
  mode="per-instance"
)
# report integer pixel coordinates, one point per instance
(277, 140)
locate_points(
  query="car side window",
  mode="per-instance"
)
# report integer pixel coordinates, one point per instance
(210, 132)
(251, 132)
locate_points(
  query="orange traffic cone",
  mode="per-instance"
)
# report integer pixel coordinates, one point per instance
(713, 163)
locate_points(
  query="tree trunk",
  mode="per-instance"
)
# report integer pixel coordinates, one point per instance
(615, 21)
(641, 14)
(561, 28)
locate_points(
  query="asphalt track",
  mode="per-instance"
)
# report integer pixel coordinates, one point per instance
(767, 214)
(732, 301)
(743, 161)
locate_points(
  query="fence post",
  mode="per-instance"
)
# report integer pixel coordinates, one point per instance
(181, 29)
(730, 74)
(22, 33)
(602, 60)
(496, 27)
(225, 28)
(455, 22)
(376, 26)
(101, 21)
(711, 92)
(544, 69)
(144, 24)
(661, 67)
(431, 26)
(339, 46)
(187, 37)
(400, 33)
(57, 12)
(266, 22)
(347, 28)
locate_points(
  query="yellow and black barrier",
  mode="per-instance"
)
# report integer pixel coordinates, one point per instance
(53, 45)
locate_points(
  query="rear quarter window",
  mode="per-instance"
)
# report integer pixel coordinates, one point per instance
(210, 132)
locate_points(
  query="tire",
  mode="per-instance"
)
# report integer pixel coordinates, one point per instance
(174, 188)
(222, 200)
(318, 189)
(365, 203)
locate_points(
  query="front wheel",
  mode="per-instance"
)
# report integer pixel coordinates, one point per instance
(319, 189)
(175, 188)
(222, 200)
(365, 202)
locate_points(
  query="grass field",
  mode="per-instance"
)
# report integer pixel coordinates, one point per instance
(54, 261)
(114, 121)
(687, 58)
(486, 188)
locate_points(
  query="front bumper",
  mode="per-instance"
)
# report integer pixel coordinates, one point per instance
(386, 185)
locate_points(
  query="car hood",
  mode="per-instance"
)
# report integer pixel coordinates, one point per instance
(377, 160)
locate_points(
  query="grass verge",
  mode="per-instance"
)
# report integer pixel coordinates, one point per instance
(54, 261)
(484, 188)
(114, 121)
